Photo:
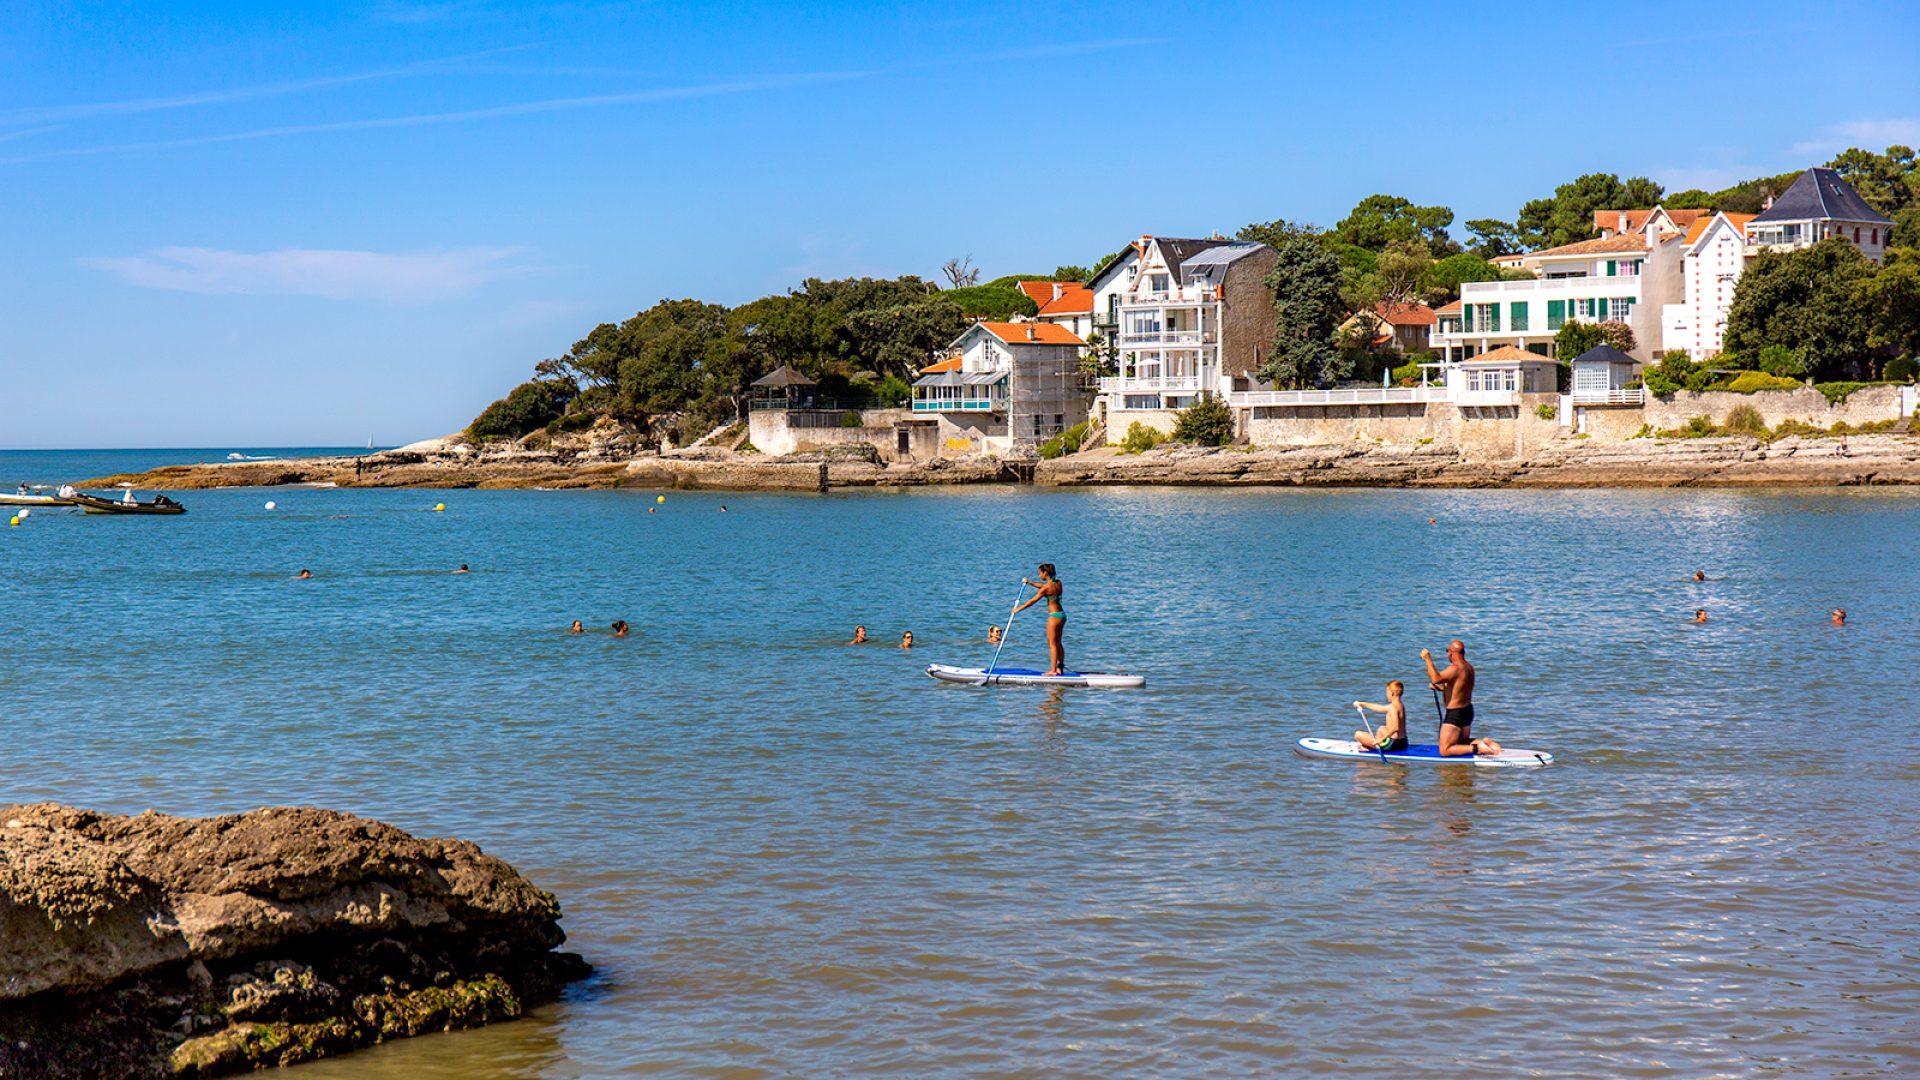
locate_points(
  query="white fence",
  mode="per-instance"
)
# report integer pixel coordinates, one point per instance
(1375, 395)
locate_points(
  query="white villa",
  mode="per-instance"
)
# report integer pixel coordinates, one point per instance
(1609, 279)
(1186, 317)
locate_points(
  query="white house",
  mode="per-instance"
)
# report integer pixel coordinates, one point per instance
(1619, 278)
(1820, 206)
(1189, 316)
(1007, 385)
(1716, 253)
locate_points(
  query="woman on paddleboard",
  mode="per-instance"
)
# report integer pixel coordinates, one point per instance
(1049, 588)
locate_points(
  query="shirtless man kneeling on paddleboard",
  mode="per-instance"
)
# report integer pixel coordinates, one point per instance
(1456, 726)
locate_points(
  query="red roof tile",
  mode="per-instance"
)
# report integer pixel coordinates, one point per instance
(1405, 315)
(1031, 333)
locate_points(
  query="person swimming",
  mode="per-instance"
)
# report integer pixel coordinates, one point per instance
(619, 628)
(463, 569)
(1699, 575)
(993, 634)
(859, 636)
(906, 640)
(1839, 616)
(1049, 589)
(1700, 615)
(576, 628)
(303, 575)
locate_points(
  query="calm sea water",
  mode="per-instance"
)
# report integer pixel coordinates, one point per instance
(788, 857)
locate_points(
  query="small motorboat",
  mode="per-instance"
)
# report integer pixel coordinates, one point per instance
(94, 504)
(26, 498)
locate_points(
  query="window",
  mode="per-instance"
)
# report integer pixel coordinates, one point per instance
(1473, 382)
(1509, 380)
(1876, 237)
(1620, 309)
(1856, 234)
(1157, 283)
(1519, 317)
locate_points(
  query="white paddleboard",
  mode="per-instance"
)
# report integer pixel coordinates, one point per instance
(1418, 754)
(1005, 676)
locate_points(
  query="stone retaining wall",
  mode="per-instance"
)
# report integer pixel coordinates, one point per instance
(1807, 405)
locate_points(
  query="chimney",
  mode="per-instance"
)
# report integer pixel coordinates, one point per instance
(1622, 226)
(1030, 334)
(1766, 201)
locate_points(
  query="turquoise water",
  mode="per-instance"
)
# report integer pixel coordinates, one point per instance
(789, 857)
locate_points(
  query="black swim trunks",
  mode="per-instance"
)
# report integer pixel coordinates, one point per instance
(1395, 744)
(1461, 717)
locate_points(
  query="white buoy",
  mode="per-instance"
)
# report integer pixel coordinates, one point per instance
(26, 512)
(269, 504)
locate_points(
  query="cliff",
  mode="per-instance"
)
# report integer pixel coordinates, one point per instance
(156, 946)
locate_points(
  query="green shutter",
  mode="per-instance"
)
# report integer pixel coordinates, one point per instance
(1612, 267)
(1556, 314)
(1519, 314)
(1495, 309)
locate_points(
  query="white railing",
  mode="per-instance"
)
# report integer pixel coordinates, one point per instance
(1608, 397)
(1175, 297)
(1371, 395)
(1624, 285)
(1475, 398)
(1178, 384)
(1166, 337)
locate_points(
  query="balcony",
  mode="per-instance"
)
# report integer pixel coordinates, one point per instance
(1172, 297)
(995, 404)
(1365, 395)
(1171, 384)
(1162, 338)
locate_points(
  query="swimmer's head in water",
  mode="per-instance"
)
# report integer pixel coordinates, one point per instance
(906, 639)
(1699, 575)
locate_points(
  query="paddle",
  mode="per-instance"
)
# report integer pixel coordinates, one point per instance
(1377, 748)
(987, 676)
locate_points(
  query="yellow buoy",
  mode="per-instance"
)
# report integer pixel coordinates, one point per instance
(439, 508)
(659, 498)
(15, 521)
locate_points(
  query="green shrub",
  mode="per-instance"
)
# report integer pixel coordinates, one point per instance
(1141, 438)
(1546, 412)
(849, 419)
(1838, 392)
(1067, 442)
(577, 420)
(746, 448)
(1675, 373)
(1699, 427)
(999, 302)
(1206, 422)
(1748, 382)
(889, 393)
(1901, 369)
(1407, 374)
(531, 405)
(1744, 420)
(1780, 360)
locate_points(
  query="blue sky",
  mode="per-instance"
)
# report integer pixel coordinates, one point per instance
(223, 223)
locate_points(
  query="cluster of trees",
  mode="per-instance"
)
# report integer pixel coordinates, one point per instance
(1828, 313)
(690, 364)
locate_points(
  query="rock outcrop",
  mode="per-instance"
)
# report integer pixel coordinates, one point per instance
(155, 946)
(1881, 458)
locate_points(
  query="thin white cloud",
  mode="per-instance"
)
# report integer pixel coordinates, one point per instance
(42, 114)
(1874, 135)
(335, 275)
(671, 93)
(523, 108)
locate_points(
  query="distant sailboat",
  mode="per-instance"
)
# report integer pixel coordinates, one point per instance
(369, 442)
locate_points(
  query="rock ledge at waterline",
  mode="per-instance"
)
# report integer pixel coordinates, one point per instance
(1825, 461)
(152, 946)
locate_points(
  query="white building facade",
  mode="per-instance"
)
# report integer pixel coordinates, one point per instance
(1186, 318)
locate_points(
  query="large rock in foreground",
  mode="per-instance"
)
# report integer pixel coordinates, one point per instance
(155, 946)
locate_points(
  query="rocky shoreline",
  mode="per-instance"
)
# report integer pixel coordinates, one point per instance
(153, 946)
(1821, 461)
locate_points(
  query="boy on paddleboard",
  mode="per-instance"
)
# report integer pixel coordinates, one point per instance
(1393, 730)
(1456, 724)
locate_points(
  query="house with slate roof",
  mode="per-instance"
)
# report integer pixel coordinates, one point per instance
(1819, 206)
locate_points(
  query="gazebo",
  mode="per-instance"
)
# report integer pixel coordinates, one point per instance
(782, 388)
(1601, 374)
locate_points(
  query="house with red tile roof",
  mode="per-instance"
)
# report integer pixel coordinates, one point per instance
(1006, 386)
(1063, 303)
(1404, 328)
